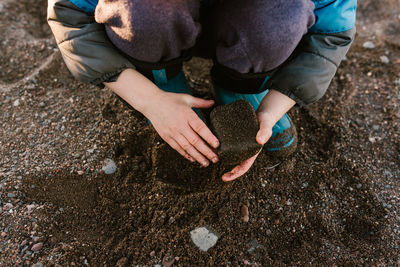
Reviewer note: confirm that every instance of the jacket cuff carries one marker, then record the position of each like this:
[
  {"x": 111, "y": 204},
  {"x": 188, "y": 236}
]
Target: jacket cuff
[{"x": 109, "y": 76}]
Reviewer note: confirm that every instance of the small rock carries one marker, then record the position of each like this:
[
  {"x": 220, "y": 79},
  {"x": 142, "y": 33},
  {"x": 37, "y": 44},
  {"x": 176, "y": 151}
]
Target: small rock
[
  {"x": 385, "y": 59},
  {"x": 39, "y": 264},
  {"x": 10, "y": 195},
  {"x": 3, "y": 234},
  {"x": 16, "y": 103},
  {"x": 80, "y": 172},
  {"x": 35, "y": 239},
  {"x": 8, "y": 206},
  {"x": 168, "y": 261},
  {"x": 110, "y": 167},
  {"x": 203, "y": 238},
  {"x": 30, "y": 207},
  {"x": 359, "y": 186},
  {"x": 122, "y": 262},
  {"x": 152, "y": 254},
  {"x": 37, "y": 247},
  {"x": 244, "y": 210},
  {"x": 304, "y": 185},
  {"x": 375, "y": 127},
  {"x": 369, "y": 45}
]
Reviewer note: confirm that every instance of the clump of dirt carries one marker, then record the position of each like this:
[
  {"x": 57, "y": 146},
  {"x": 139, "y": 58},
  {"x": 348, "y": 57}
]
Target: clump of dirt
[
  {"x": 236, "y": 126},
  {"x": 172, "y": 168}
]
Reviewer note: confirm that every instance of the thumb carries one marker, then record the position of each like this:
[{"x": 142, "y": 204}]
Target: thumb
[
  {"x": 264, "y": 133},
  {"x": 196, "y": 102}
]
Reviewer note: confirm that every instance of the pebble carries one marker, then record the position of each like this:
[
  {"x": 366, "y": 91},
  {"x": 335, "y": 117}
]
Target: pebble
[
  {"x": 80, "y": 172},
  {"x": 39, "y": 264},
  {"x": 8, "y": 206},
  {"x": 385, "y": 59},
  {"x": 3, "y": 234},
  {"x": 168, "y": 261},
  {"x": 305, "y": 185},
  {"x": 16, "y": 103},
  {"x": 369, "y": 45},
  {"x": 359, "y": 186},
  {"x": 203, "y": 238},
  {"x": 244, "y": 210},
  {"x": 152, "y": 254},
  {"x": 122, "y": 262},
  {"x": 375, "y": 127},
  {"x": 110, "y": 167},
  {"x": 30, "y": 207},
  {"x": 10, "y": 195},
  {"x": 37, "y": 247}
]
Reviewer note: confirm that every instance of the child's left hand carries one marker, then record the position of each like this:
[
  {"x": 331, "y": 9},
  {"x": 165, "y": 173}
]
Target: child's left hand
[{"x": 272, "y": 108}]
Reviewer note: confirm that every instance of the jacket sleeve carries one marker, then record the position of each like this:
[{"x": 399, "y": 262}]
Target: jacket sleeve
[
  {"x": 84, "y": 45},
  {"x": 306, "y": 75}
]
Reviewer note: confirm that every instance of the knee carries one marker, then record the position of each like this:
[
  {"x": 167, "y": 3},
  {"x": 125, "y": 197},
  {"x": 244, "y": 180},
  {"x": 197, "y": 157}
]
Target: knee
[
  {"x": 280, "y": 30},
  {"x": 151, "y": 30},
  {"x": 270, "y": 30}
]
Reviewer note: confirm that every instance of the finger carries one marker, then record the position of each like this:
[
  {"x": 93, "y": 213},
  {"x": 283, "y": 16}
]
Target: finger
[
  {"x": 179, "y": 149},
  {"x": 200, "y": 145},
  {"x": 264, "y": 133},
  {"x": 239, "y": 170},
  {"x": 196, "y": 102},
  {"x": 201, "y": 128},
  {"x": 191, "y": 150}
]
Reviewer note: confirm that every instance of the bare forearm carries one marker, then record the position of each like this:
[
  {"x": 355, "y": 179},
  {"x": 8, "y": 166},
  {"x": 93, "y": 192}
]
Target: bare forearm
[
  {"x": 275, "y": 104},
  {"x": 135, "y": 89}
]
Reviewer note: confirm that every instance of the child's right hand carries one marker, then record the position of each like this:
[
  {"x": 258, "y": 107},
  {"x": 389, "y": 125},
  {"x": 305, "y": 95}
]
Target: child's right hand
[
  {"x": 175, "y": 121},
  {"x": 171, "y": 115}
]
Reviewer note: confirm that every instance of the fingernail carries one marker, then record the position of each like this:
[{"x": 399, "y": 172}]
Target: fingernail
[
  {"x": 214, "y": 159},
  {"x": 191, "y": 159},
  {"x": 216, "y": 144},
  {"x": 205, "y": 163}
]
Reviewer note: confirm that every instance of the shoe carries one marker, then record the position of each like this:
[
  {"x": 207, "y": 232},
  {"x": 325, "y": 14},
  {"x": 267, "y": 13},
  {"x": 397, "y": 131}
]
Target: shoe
[{"x": 283, "y": 141}]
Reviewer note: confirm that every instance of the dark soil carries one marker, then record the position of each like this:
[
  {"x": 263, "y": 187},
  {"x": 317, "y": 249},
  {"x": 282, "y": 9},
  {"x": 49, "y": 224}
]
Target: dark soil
[
  {"x": 335, "y": 201},
  {"x": 236, "y": 126}
]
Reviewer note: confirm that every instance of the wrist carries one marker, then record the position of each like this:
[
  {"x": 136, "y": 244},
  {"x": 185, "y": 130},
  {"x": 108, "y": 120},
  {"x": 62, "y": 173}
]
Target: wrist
[
  {"x": 274, "y": 106},
  {"x": 136, "y": 90}
]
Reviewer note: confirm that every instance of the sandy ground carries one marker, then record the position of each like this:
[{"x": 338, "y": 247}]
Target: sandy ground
[{"x": 336, "y": 201}]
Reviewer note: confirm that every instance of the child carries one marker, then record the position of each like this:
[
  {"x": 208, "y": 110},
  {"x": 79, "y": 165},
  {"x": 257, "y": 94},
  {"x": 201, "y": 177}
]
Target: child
[{"x": 136, "y": 48}]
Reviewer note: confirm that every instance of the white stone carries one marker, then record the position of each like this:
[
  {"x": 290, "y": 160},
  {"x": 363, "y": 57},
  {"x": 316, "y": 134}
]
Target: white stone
[
  {"x": 203, "y": 238},
  {"x": 16, "y": 103},
  {"x": 369, "y": 45},
  {"x": 110, "y": 167},
  {"x": 385, "y": 59}
]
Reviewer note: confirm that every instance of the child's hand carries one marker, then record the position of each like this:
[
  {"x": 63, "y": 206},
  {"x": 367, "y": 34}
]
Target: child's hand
[
  {"x": 272, "y": 108},
  {"x": 173, "y": 118},
  {"x": 264, "y": 133},
  {"x": 171, "y": 115}
]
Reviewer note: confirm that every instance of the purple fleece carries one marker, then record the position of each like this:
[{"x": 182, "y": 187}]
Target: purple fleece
[{"x": 244, "y": 35}]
